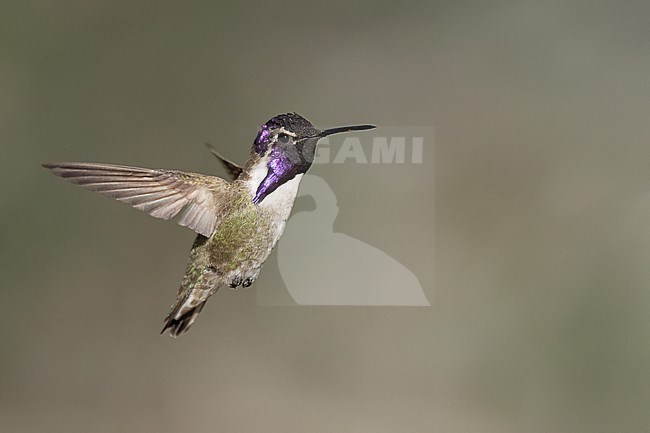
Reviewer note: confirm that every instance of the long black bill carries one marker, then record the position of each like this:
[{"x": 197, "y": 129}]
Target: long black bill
[{"x": 331, "y": 131}]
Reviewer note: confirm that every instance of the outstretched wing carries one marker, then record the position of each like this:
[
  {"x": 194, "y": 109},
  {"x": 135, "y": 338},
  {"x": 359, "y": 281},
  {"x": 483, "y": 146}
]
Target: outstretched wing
[
  {"x": 233, "y": 169},
  {"x": 161, "y": 193}
]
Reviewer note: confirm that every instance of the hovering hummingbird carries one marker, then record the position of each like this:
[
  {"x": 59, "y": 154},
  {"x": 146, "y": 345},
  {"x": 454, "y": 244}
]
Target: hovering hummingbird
[{"x": 238, "y": 222}]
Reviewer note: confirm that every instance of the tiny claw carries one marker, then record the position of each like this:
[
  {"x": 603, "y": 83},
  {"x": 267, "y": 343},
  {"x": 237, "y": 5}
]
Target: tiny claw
[{"x": 235, "y": 282}]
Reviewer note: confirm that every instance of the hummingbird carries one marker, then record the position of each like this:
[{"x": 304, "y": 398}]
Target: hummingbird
[{"x": 237, "y": 221}]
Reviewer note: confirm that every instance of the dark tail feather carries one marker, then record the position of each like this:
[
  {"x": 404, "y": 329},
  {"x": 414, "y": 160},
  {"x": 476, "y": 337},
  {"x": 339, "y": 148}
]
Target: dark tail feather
[{"x": 180, "y": 325}]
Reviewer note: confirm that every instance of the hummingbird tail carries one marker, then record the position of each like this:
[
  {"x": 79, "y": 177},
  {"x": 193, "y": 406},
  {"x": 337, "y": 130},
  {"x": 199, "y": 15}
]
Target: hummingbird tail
[
  {"x": 178, "y": 325},
  {"x": 189, "y": 304}
]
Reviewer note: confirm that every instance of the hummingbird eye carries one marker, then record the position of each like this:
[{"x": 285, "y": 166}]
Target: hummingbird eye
[{"x": 284, "y": 138}]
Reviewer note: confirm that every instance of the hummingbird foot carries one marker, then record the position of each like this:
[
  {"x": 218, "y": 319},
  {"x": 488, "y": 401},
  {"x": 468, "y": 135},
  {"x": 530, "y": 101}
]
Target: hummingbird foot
[
  {"x": 236, "y": 282},
  {"x": 240, "y": 281}
]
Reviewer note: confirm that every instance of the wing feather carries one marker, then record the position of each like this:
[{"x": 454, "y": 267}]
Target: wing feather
[
  {"x": 233, "y": 169},
  {"x": 161, "y": 193}
]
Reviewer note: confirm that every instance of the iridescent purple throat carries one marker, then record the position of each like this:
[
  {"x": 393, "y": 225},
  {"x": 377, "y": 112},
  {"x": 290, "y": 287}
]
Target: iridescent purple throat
[{"x": 283, "y": 166}]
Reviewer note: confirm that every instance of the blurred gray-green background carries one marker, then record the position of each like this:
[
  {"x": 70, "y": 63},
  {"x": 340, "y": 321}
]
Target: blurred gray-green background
[{"x": 540, "y": 315}]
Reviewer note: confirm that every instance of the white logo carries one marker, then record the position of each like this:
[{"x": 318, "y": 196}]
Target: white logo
[{"x": 321, "y": 267}]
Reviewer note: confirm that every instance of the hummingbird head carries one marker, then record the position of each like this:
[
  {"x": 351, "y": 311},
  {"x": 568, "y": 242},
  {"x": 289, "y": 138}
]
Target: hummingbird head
[{"x": 288, "y": 142}]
